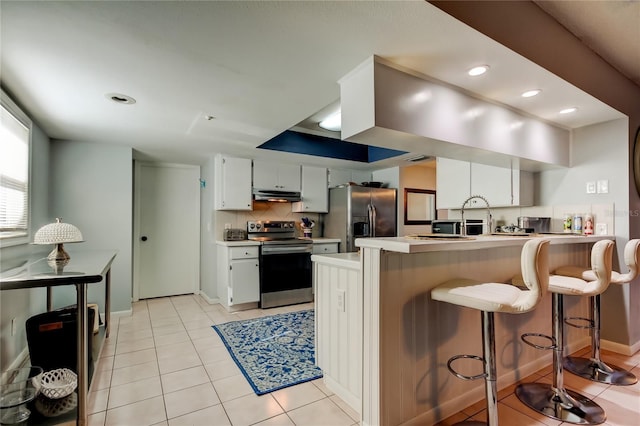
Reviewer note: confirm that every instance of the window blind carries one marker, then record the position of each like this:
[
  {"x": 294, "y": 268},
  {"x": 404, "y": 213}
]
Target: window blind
[{"x": 14, "y": 175}]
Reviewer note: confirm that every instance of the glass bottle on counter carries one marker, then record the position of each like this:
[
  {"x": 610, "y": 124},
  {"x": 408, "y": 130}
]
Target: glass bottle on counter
[
  {"x": 577, "y": 224},
  {"x": 588, "y": 224},
  {"x": 567, "y": 223}
]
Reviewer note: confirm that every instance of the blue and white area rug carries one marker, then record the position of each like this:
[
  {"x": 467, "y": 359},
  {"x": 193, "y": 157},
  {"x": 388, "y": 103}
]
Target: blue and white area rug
[{"x": 273, "y": 352}]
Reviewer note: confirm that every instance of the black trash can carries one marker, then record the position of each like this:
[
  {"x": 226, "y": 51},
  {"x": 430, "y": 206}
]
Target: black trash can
[{"x": 51, "y": 337}]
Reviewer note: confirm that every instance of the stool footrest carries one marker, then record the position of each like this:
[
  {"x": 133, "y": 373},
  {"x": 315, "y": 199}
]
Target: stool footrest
[
  {"x": 462, "y": 376},
  {"x": 589, "y": 322},
  {"x": 525, "y": 337}
]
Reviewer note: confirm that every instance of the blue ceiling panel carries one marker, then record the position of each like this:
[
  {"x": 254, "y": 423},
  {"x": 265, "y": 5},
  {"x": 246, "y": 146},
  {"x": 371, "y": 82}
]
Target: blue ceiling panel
[{"x": 320, "y": 146}]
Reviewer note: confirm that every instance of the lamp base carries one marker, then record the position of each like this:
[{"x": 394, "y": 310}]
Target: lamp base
[{"x": 58, "y": 254}]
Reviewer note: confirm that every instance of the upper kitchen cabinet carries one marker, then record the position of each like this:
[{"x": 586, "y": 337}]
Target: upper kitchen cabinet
[
  {"x": 232, "y": 183},
  {"x": 275, "y": 176},
  {"x": 503, "y": 187},
  {"x": 314, "y": 191}
]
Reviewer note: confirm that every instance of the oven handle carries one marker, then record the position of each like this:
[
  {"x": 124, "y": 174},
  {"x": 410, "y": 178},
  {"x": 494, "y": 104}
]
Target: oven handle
[{"x": 267, "y": 250}]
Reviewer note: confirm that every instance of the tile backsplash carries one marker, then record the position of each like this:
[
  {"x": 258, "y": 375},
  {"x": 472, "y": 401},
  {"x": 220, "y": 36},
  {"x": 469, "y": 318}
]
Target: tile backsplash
[{"x": 263, "y": 211}]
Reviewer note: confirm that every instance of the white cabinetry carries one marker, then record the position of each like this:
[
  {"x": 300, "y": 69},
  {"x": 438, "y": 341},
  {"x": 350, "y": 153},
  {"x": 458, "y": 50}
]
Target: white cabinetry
[
  {"x": 338, "y": 307},
  {"x": 238, "y": 275},
  {"x": 275, "y": 176},
  {"x": 453, "y": 183},
  {"x": 232, "y": 183},
  {"x": 325, "y": 248},
  {"x": 503, "y": 187},
  {"x": 315, "y": 197}
]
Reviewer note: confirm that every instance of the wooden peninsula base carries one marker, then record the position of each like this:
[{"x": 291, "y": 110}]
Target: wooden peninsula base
[{"x": 407, "y": 338}]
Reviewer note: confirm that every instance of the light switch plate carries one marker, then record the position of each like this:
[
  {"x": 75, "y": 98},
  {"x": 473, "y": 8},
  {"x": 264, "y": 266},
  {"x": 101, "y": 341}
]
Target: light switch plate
[
  {"x": 601, "y": 229},
  {"x": 591, "y": 187},
  {"x": 603, "y": 186}
]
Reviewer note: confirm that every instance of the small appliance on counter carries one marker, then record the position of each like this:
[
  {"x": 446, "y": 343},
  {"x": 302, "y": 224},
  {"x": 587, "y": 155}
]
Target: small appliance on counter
[
  {"x": 537, "y": 224},
  {"x": 234, "y": 234},
  {"x": 453, "y": 226}
]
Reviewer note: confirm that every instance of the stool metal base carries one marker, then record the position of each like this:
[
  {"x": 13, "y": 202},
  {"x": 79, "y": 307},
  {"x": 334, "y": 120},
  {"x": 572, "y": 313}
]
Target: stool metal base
[
  {"x": 598, "y": 371},
  {"x": 563, "y": 405}
]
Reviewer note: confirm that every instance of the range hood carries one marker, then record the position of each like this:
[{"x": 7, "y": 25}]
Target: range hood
[{"x": 276, "y": 196}]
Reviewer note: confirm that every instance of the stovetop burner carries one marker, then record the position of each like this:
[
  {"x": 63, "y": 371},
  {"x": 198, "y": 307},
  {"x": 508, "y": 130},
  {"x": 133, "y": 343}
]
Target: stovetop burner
[{"x": 272, "y": 232}]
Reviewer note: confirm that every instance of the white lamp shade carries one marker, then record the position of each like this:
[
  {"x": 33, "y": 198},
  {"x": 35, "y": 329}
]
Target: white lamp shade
[{"x": 57, "y": 233}]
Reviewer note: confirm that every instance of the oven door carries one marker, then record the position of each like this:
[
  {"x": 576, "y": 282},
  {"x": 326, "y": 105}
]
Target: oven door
[{"x": 285, "y": 275}]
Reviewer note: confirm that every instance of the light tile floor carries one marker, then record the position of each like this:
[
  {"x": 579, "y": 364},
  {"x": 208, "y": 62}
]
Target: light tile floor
[{"x": 165, "y": 365}]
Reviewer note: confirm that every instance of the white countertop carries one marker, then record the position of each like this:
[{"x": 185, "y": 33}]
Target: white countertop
[
  {"x": 475, "y": 242},
  {"x": 320, "y": 240},
  {"x": 348, "y": 260},
  {"x": 316, "y": 240},
  {"x": 238, "y": 243}
]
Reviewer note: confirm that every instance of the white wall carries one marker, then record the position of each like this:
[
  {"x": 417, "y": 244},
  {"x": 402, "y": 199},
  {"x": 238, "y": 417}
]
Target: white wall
[
  {"x": 599, "y": 152},
  {"x": 92, "y": 188},
  {"x": 22, "y": 304}
]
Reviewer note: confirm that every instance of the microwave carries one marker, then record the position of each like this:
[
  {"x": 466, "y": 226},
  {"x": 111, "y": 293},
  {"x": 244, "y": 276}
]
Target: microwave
[{"x": 473, "y": 226}]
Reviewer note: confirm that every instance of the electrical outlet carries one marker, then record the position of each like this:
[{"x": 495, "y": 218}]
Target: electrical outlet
[
  {"x": 601, "y": 229},
  {"x": 341, "y": 296},
  {"x": 603, "y": 186},
  {"x": 591, "y": 187}
]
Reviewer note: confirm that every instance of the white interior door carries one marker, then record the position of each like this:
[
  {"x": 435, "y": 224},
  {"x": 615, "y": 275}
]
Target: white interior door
[{"x": 167, "y": 234}]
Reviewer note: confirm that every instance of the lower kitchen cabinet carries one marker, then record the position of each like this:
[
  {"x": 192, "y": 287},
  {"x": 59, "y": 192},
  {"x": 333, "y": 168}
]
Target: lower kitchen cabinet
[
  {"x": 238, "y": 274},
  {"x": 325, "y": 248}
]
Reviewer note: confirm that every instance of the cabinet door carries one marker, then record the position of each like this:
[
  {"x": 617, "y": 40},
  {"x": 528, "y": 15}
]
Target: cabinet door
[
  {"x": 289, "y": 177},
  {"x": 279, "y": 177},
  {"x": 493, "y": 183},
  {"x": 233, "y": 188},
  {"x": 265, "y": 175},
  {"x": 315, "y": 195},
  {"x": 244, "y": 284},
  {"x": 453, "y": 186}
]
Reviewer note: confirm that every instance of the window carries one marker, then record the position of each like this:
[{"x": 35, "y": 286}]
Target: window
[{"x": 15, "y": 131}]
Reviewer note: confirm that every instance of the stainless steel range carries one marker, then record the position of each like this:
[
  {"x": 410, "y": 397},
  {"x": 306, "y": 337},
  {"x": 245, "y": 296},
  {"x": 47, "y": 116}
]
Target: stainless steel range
[{"x": 285, "y": 263}]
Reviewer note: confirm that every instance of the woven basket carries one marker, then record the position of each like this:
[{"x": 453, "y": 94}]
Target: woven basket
[{"x": 58, "y": 383}]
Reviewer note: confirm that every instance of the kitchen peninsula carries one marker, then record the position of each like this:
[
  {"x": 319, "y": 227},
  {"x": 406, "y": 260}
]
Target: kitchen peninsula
[{"x": 407, "y": 338}]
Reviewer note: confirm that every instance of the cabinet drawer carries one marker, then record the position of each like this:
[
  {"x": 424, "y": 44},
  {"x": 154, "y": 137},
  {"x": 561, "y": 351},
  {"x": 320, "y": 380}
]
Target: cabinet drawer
[
  {"x": 243, "y": 252},
  {"x": 325, "y": 248}
]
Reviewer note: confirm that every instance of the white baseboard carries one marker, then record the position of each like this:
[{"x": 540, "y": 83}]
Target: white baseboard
[
  {"x": 209, "y": 300},
  {"x": 619, "y": 348}
]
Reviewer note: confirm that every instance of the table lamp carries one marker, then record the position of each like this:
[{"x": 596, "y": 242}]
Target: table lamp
[{"x": 58, "y": 233}]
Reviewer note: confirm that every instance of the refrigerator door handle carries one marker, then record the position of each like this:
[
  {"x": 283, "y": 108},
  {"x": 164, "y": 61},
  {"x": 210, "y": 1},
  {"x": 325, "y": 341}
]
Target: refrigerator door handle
[{"x": 372, "y": 220}]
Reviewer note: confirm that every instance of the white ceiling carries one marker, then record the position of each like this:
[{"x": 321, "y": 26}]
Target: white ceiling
[{"x": 258, "y": 67}]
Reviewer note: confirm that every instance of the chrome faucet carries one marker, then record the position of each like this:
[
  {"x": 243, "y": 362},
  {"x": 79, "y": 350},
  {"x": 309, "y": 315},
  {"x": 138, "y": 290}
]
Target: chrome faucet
[{"x": 463, "y": 230}]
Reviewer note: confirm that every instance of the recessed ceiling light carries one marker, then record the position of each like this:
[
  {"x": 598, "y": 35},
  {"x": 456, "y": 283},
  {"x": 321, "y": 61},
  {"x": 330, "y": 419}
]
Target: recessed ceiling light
[
  {"x": 530, "y": 93},
  {"x": 120, "y": 98},
  {"x": 568, "y": 110},
  {"x": 332, "y": 122},
  {"x": 475, "y": 71}
]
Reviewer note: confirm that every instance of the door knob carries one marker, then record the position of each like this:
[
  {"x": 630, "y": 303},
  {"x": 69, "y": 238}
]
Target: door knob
[{"x": 144, "y": 238}]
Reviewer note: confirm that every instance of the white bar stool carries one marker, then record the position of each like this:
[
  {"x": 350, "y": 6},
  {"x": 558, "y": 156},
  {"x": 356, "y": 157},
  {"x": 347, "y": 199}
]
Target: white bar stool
[
  {"x": 497, "y": 297},
  {"x": 554, "y": 400},
  {"x": 594, "y": 368}
]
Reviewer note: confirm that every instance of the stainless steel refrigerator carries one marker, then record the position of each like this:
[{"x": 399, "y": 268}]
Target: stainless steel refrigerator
[{"x": 360, "y": 212}]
